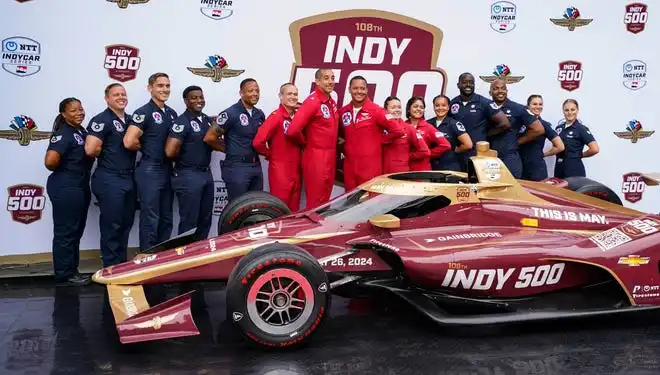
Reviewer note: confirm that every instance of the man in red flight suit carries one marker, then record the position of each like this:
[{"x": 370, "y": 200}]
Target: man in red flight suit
[
  {"x": 284, "y": 172},
  {"x": 362, "y": 125},
  {"x": 315, "y": 126}
]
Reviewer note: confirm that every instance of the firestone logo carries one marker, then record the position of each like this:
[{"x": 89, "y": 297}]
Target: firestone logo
[{"x": 396, "y": 54}]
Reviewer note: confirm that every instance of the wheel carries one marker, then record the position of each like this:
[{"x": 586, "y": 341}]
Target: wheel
[
  {"x": 251, "y": 208},
  {"x": 278, "y": 295},
  {"x": 592, "y": 188}
]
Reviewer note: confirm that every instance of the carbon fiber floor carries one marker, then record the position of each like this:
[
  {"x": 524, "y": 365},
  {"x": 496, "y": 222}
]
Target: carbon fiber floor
[{"x": 67, "y": 331}]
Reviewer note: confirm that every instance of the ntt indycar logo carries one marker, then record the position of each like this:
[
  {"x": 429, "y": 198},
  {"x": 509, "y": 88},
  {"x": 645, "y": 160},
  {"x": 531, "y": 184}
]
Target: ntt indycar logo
[{"x": 464, "y": 236}]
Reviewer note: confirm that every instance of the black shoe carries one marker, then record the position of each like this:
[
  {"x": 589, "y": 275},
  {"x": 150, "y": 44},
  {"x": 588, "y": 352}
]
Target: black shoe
[{"x": 77, "y": 280}]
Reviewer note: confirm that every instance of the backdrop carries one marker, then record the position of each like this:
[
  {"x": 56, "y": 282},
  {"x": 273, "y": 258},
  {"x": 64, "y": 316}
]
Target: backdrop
[{"x": 596, "y": 53}]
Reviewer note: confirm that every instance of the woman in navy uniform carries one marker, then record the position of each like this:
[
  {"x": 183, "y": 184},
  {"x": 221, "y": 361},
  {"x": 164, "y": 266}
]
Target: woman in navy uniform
[
  {"x": 575, "y": 136},
  {"x": 455, "y": 133},
  {"x": 531, "y": 152},
  {"x": 68, "y": 190}
]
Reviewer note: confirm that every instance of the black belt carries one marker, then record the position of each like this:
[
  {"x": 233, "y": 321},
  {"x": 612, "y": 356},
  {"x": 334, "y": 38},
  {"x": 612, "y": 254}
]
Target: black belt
[
  {"x": 245, "y": 159},
  {"x": 116, "y": 171},
  {"x": 192, "y": 167}
]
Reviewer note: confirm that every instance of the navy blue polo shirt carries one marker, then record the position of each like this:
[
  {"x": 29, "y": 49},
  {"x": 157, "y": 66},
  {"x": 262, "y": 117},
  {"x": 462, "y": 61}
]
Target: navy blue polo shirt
[
  {"x": 519, "y": 117},
  {"x": 155, "y": 124},
  {"x": 240, "y": 127},
  {"x": 451, "y": 130},
  {"x": 474, "y": 115},
  {"x": 190, "y": 130},
  {"x": 111, "y": 129},
  {"x": 575, "y": 137},
  {"x": 533, "y": 151},
  {"x": 69, "y": 142}
]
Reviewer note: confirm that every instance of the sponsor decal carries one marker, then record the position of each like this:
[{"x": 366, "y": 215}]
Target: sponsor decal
[
  {"x": 633, "y": 187},
  {"x": 464, "y": 236},
  {"x": 217, "y": 9},
  {"x": 492, "y": 169},
  {"x": 463, "y": 194},
  {"x": 261, "y": 231},
  {"x": 236, "y": 316},
  {"x": 216, "y": 68},
  {"x": 503, "y": 16},
  {"x": 562, "y": 215},
  {"x": 634, "y": 260},
  {"x": 123, "y": 4},
  {"x": 456, "y": 266},
  {"x": 384, "y": 245},
  {"x": 634, "y": 132},
  {"x": 323, "y": 288},
  {"x": 635, "y": 17},
  {"x": 640, "y": 227},
  {"x": 180, "y": 250},
  {"x": 498, "y": 278},
  {"x": 634, "y": 74},
  {"x": 396, "y": 54},
  {"x": 220, "y": 197},
  {"x": 157, "y": 322},
  {"x": 129, "y": 303},
  {"x": 24, "y": 130},
  {"x": 646, "y": 291},
  {"x": 26, "y": 202},
  {"x": 21, "y": 56},
  {"x": 502, "y": 72},
  {"x": 610, "y": 239},
  {"x": 212, "y": 245},
  {"x": 571, "y": 19},
  {"x": 570, "y": 75},
  {"x": 145, "y": 259},
  {"x": 122, "y": 62}
]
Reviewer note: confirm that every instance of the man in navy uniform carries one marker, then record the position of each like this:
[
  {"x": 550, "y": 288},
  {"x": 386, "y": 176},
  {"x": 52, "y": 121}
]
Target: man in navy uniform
[
  {"x": 522, "y": 122},
  {"x": 112, "y": 182},
  {"x": 192, "y": 179},
  {"x": 238, "y": 124},
  {"x": 474, "y": 111},
  {"x": 147, "y": 131}
]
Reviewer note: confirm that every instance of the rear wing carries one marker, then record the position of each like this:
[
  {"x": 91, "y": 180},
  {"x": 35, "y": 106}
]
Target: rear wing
[{"x": 651, "y": 179}]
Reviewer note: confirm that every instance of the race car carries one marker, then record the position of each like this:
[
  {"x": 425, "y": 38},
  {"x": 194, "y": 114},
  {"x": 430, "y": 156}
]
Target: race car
[{"x": 464, "y": 249}]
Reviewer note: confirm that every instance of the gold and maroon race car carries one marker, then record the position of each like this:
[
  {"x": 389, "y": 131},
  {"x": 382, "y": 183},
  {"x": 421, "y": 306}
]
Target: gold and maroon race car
[{"x": 464, "y": 249}]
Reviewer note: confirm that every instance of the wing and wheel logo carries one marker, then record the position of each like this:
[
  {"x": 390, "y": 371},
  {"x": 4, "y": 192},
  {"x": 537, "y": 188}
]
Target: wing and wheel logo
[{"x": 216, "y": 68}]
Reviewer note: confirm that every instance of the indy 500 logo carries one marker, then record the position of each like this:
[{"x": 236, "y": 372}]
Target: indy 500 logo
[{"x": 396, "y": 54}]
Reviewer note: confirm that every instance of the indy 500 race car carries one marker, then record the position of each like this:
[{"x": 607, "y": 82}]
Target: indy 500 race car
[{"x": 464, "y": 249}]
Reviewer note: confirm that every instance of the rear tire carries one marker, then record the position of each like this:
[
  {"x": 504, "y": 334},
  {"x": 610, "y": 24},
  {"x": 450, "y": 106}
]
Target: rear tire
[
  {"x": 278, "y": 295},
  {"x": 592, "y": 188},
  {"x": 251, "y": 208}
]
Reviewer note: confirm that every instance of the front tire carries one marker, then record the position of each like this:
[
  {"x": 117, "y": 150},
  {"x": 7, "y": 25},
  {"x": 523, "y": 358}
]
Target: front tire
[{"x": 278, "y": 295}]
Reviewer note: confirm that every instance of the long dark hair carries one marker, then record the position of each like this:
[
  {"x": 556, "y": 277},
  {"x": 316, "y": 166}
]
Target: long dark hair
[
  {"x": 412, "y": 101},
  {"x": 59, "y": 120}
]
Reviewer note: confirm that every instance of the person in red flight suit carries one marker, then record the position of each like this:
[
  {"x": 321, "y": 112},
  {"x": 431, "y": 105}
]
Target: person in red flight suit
[
  {"x": 315, "y": 126},
  {"x": 284, "y": 156},
  {"x": 362, "y": 125},
  {"x": 407, "y": 148},
  {"x": 436, "y": 142}
]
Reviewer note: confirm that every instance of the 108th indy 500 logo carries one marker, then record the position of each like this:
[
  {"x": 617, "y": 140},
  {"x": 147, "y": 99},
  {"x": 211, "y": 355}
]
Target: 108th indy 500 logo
[{"x": 25, "y": 202}]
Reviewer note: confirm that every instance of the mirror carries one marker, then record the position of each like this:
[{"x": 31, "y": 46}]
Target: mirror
[{"x": 385, "y": 221}]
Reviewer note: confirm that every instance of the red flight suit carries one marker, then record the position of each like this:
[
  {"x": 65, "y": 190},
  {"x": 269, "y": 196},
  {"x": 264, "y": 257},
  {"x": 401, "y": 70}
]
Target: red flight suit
[
  {"x": 315, "y": 126},
  {"x": 363, "y": 133},
  {"x": 399, "y": 153},
  {"x": 284, "y": 171},
  {"x": 436, "y": 142}
]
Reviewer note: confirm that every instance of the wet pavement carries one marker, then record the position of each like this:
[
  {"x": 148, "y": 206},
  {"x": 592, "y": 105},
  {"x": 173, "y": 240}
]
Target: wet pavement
[{"x": 47, "y": 330}]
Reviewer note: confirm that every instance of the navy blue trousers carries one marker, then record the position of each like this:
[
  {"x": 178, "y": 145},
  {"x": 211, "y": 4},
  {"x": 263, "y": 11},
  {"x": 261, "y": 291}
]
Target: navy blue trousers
[
  {"x": 156, "y": 198},
  {"x": 70, "y": 196},
  {"x": 115, "y": 192},
  {"x": 241, "y": 177},
  {"x": 194, "y": 191},
  {"x": 571, "y": 167}
]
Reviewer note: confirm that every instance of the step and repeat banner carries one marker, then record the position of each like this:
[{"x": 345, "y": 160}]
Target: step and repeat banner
[{"x": 602, "y": 54}]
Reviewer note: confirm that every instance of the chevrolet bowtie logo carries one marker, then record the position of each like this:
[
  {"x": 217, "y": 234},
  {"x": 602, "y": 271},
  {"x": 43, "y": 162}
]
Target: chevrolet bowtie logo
[{"x": 634, "y": 260}]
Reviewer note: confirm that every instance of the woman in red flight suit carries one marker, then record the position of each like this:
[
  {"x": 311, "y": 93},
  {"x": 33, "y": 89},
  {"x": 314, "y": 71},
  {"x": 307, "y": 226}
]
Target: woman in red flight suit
[
  {"x": 398, "y": 154},
  {"x": 435, "y": 141}
]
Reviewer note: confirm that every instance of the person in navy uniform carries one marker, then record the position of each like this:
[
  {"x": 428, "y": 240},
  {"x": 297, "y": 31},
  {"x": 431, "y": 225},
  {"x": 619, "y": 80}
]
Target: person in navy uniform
[
  {"x": 575, "y": 136},
  {"x": 147, "y": 132},
  {"x": 112, "y": 181},
  {"x": 68, "y": 190},
  {"x": 521, "y": 120},
  {"x": 238, "y": 124},
  {"x": 474, "y": 111},
  {"x": 530, "y": 148},
  {"x": 454, "y": 131},
  {"x": 192, "y": 179}
]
